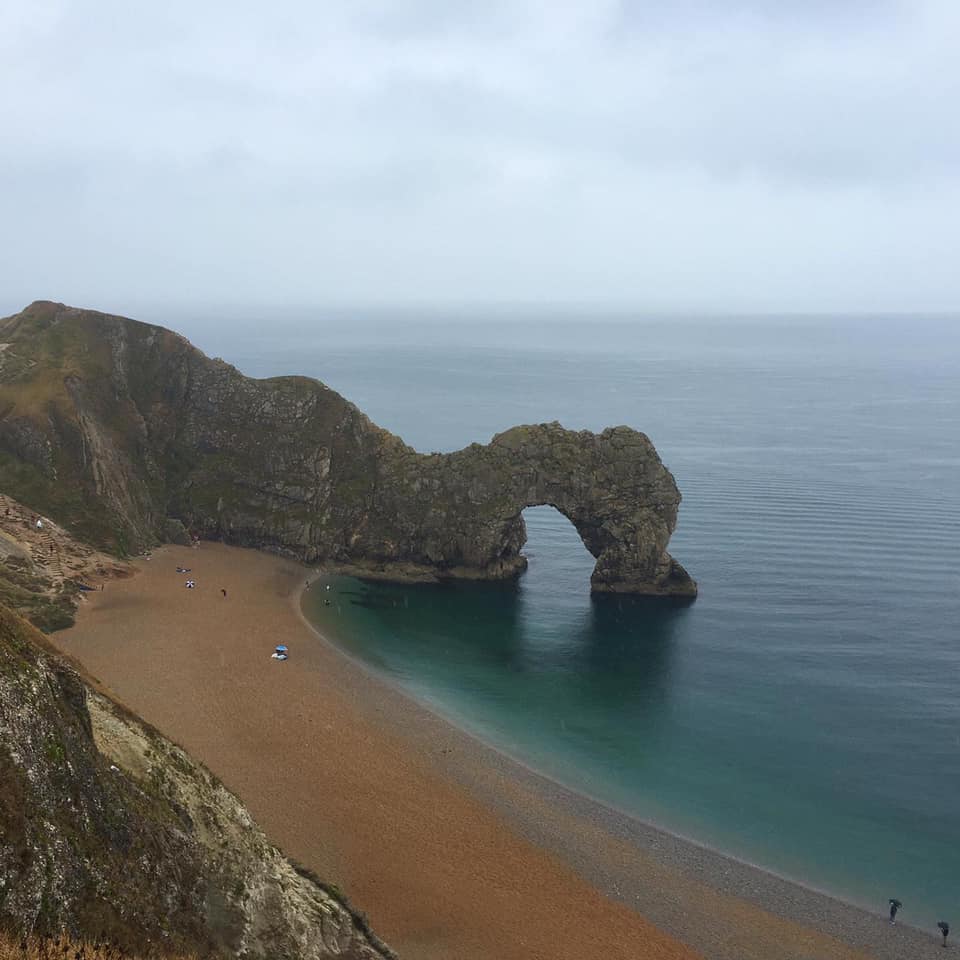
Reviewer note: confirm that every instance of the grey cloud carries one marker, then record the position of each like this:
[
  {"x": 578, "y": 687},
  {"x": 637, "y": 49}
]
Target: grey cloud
[{"x": 766, "y": 154}]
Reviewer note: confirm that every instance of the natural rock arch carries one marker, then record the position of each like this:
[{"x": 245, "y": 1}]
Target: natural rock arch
[
  {"x": 113, "y": 427},
  {"x": 611, "y": 486}
]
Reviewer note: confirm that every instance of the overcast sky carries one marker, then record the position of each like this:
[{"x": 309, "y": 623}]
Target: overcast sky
[{"x": 789, "y": 155}]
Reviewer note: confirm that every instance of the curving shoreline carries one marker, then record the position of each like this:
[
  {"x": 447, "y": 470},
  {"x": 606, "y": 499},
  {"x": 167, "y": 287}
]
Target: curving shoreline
[
  {"x": 523, "y": 792},
  {"x": 738, "y": 873},
  {"x": 453, "y": 848}
]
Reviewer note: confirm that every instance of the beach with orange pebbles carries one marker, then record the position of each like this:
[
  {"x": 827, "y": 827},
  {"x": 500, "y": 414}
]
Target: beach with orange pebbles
[{"x": 454, "y": 851}]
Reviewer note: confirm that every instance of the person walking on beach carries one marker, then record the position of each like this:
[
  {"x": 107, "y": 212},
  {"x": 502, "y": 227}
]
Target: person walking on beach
[
  {"x": 944, "y": 929},
  {"x": 224, "y": 592},
  {"x": 895, "y": 905}
]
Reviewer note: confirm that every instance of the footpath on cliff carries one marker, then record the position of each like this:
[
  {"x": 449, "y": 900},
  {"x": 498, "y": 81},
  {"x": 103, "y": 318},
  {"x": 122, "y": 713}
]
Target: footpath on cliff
[{"x": 45, "y": 572}]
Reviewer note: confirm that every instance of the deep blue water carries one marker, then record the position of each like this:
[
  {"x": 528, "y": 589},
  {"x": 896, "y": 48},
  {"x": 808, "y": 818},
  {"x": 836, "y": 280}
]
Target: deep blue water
[{"x": 804, "y": 712}]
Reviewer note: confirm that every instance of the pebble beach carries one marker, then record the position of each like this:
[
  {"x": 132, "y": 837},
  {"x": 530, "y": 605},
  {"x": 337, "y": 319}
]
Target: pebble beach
[{"x": 451, "y": 848}]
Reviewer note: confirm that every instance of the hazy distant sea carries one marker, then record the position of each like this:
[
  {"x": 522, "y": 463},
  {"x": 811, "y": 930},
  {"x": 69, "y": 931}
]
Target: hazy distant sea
[{"x": 804, "y": 713}]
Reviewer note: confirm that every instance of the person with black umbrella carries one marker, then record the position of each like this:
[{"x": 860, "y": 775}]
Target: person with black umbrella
[
  {"x": 895, "y": 905},
  {"x": 944, "y": 929}
]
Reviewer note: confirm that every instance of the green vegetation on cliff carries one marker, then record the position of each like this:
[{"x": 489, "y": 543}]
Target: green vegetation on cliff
[{"x": 31, "y": 596}]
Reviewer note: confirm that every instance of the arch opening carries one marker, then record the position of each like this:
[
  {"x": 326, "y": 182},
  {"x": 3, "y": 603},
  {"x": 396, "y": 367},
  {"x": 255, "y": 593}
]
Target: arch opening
[{"x": 553, "y": 549}]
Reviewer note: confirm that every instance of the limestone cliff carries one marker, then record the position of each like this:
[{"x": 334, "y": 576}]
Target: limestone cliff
[
  {"x": 110, "y": 832},
  {"x": 113, "y": 427}
]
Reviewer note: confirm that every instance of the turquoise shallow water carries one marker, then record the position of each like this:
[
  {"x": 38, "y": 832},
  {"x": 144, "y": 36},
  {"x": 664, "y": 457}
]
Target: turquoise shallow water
[{"x": 804, "y": 712}]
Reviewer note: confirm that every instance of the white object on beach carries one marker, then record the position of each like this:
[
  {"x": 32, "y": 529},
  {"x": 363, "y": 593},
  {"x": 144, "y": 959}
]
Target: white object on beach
[{"x": 190, "y": 584}]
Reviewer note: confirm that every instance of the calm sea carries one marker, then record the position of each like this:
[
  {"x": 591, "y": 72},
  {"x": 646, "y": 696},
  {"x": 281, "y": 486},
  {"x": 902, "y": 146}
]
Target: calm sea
[{"x": 804, "y": 713}]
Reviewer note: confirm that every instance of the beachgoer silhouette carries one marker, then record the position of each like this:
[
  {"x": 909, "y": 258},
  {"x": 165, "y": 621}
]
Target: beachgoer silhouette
[
  {"x": 224, "y": 592},
  {"x": 895, "y": 905},
  {"x": 944, "y": 929}
]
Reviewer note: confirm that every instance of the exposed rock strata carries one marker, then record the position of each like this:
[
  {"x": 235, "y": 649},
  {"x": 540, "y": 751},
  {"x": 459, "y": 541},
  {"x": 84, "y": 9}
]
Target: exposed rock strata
[
  {"x": 114, "y": 426},
  {"x": 108, "y": 830}
]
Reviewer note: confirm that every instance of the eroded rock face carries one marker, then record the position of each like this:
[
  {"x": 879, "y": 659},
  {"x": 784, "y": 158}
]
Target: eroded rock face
[
  {"x": 461, "y": 512},
  {"x": 114, "y": 427},
  {"x": 108, "y": 831}
]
